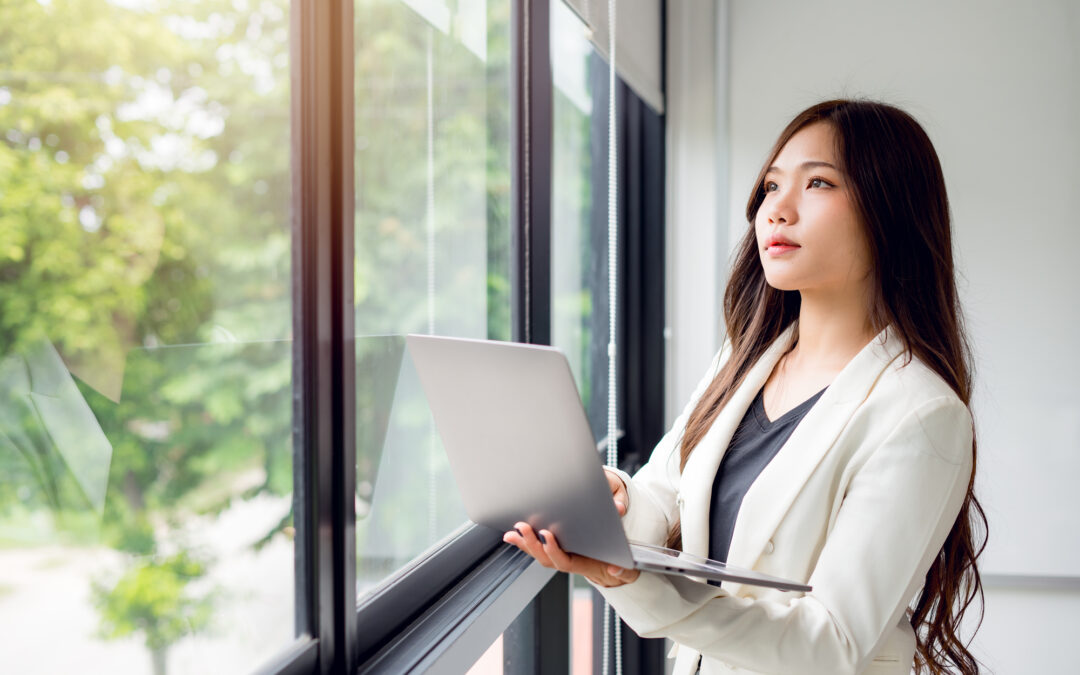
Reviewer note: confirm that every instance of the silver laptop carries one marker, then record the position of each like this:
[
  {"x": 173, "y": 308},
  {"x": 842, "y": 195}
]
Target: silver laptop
[{"x": 520, "y": 449}]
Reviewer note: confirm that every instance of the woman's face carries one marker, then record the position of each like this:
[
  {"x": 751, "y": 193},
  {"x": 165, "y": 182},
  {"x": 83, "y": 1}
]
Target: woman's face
[{"x": 809, "y": 236}]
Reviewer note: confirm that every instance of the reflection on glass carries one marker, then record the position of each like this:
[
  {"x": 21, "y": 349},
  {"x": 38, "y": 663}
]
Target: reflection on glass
[
  {"x": 145, "y": 373},
  {"x": 432, "y": 247},
  {"x": 579, "y": 321}
]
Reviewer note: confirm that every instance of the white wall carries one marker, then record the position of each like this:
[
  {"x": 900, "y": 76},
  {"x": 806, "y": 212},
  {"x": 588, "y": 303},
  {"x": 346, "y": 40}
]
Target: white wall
[
  {"x": 997, "y": 87},
  {"x": 694, "y": 244}
]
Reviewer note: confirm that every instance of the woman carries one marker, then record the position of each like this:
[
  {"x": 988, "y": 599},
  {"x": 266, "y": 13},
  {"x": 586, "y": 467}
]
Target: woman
[{"x": 834, "y": 423}]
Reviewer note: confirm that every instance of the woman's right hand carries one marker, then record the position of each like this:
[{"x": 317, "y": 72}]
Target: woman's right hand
[
  {"x": 618, "y": 491},
  {"x": 542, "y": 546}
]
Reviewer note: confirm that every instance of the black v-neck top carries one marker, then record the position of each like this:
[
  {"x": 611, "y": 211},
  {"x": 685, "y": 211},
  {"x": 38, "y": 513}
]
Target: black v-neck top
[{"x": 755, "y": 442}]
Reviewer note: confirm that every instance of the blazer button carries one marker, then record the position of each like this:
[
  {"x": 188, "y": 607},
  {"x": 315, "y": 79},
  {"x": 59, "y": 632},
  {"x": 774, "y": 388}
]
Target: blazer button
[
  {"x": 770, "y": 547},
  {"x": 679, "y": 501}
]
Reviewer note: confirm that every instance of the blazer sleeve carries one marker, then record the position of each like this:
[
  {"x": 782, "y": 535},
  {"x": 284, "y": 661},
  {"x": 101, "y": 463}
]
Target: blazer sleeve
[
  {"x": 652, "y": 493},
  {"x": 893, "y": 520}
]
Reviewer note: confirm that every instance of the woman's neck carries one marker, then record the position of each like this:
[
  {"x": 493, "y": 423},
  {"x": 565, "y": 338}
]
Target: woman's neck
[{"x": 832, "y": 329}]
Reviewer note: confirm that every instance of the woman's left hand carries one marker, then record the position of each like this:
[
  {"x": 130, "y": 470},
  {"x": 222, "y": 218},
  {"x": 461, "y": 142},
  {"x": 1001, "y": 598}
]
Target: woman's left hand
[{"x": 548, "y": 554}]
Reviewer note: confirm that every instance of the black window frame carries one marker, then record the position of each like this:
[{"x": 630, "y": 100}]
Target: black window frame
[{"x": 323, "y": 356}]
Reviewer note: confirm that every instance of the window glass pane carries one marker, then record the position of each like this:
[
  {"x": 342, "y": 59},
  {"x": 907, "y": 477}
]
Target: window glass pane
[
  {"x": 579, "y": 280},
  {"x": 432, "y": 247},
  {"x": 145, "y": 379}
]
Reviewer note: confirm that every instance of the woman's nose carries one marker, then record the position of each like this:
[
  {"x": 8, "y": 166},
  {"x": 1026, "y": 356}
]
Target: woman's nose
[{"x": 780, "y": 210}]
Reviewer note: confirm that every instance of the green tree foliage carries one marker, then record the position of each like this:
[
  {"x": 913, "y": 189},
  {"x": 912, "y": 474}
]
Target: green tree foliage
[
  {"x": 155, "y": 598},
  {"x": 144, "y": 186},
  {"x": 144, "y": 232}
]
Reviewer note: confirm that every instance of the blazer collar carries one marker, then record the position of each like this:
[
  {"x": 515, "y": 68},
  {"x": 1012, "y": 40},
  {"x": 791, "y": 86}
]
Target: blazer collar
[{"x": 770, "y": 496}]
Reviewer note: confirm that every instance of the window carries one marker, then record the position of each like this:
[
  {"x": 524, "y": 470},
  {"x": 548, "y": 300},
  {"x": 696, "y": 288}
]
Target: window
[
  {"x": 432, "y": 232},
  {"x": 145, "y": 382},
  {"x": 218, "y": 220}
]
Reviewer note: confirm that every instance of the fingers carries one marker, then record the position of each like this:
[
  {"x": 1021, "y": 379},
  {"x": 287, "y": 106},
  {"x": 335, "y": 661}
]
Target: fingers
[
  {"x": 562, "y": 560},
  {"x": 623, "y": 575},
  {"x": 544, "y": 547},
  {"x": 618, "y": 491},
  {"x": 609, "y": 576},
  {"x": 620, "y": 506},
  {"x": 526, "y": 540},
  {"x": 602, "y": 573}
]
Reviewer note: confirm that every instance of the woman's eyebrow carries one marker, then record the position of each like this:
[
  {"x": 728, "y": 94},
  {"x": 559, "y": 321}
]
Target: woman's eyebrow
[{"x": 805, "y": 165}]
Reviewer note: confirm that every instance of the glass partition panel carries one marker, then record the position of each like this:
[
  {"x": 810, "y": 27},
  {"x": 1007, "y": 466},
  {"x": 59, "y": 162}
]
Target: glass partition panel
[
  {"x": 432, "y": 247},
  {"x": 145, "y": 380},
  {"x": 579, "y": 278}
]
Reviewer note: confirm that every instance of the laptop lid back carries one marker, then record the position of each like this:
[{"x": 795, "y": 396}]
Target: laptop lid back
[{"x": 518, "y": 442}]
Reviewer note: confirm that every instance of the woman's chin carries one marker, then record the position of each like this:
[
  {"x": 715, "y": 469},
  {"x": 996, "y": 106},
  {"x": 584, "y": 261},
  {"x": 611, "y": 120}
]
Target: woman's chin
[{"x": 781, "y": 283}]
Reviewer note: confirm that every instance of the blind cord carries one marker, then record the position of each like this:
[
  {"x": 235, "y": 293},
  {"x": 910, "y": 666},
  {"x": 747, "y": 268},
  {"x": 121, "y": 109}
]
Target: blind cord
[
  {"x": 611, "y": 620},
  {"x": 433, "y": 484},
  {"x": 526, "y": 183}
]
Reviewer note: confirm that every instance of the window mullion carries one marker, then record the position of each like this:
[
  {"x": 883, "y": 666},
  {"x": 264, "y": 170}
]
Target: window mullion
[
  {"x": 531, "y": 119},
  {"x": 323, "y": 355},
  {"x": 539, "y": 639}
]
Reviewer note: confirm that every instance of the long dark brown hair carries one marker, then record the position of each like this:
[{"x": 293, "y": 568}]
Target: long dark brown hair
[{"x": 898, "y": 191}]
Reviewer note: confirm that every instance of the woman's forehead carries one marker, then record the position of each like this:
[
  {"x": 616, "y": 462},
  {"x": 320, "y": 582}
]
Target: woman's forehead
[{"x": 815, "y": 143}]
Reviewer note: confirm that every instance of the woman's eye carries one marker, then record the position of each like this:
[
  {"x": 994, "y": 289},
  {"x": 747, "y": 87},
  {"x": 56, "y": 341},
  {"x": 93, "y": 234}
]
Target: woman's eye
[
  {"x": 770, "y": 186},
  {"x": 819, "y": 183}
]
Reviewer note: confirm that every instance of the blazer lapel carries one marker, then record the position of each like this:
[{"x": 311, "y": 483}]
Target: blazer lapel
[
  {"x": 771, "y": 495},
  {"x": 700, "y": 470}
]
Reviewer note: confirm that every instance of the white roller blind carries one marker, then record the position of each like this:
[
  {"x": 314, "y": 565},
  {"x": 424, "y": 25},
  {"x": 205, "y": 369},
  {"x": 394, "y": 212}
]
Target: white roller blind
[{"x": 637, "y": 38}]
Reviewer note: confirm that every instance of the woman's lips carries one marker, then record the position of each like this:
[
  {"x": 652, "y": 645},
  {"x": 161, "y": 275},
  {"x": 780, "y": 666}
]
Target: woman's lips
[{"x": 780, "y": 249}]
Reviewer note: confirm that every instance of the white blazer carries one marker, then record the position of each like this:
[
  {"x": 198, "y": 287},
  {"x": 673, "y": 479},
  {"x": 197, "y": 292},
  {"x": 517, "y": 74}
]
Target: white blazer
[{"x": 857, "y": 504}]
